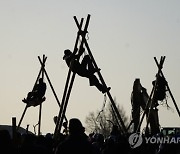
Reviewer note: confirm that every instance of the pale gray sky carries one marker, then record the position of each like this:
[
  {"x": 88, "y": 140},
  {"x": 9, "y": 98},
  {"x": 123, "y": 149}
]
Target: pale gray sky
[{"x": 124, "y": 36}]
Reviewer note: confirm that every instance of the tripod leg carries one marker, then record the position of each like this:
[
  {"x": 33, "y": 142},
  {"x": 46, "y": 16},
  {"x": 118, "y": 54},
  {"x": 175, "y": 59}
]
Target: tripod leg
[
  {"x": 22, "y": 117},
  {"x": 68, "y": 90},
  {"x": 39, "y": 128},
  {"x": 175, "y": 104},
  {"x": 57, "y": 128}
]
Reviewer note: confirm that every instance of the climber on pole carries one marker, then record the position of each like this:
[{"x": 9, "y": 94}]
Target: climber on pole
[
  {"x": 83, "y": 69},
  {"x": 36, "y": 96}
]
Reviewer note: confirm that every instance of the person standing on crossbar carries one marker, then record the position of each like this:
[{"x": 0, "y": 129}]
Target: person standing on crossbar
[{"x": 83, "y": 69}]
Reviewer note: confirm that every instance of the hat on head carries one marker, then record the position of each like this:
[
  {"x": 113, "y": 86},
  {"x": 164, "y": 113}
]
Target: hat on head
[{"x": 67, "y": 53}]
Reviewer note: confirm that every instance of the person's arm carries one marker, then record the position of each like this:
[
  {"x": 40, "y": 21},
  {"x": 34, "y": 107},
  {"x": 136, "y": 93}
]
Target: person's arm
[{"x": 81, "y": 51}]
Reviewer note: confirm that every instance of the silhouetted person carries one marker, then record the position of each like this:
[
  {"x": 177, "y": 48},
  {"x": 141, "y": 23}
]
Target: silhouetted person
[
  {"x": 98, "y": 142},
  {"x": 6, "y": 146},
  {"x": 36, "y": 97},
  {"x": 83, "y": 69},
  {"x": 33, "y": 144},
  {"x": 116, "y": 143},
  {"x": 77, "y": 141},
  {"x": 160, "y": 91},
  {"x": 136, "y": 100}
]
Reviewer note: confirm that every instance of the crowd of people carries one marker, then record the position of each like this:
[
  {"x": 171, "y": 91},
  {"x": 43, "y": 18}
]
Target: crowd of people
[{"x": 78, "y": 142}]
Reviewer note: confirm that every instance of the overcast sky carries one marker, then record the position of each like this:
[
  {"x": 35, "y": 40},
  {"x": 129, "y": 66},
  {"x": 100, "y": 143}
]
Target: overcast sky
[{"x": 124, "y": 37}]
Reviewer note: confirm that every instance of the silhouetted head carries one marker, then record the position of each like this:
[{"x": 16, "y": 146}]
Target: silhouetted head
[
  {"x": 98, "y": 138},
  {"x": 67, "y": 53},
  {"x": 75, "y": 126},
  {"x": 137, "y": 81}
]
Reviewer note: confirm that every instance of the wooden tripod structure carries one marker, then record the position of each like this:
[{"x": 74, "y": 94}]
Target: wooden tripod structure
[
  {"x": 42, "y": 73},
  {"x": 150, "y": 104},
  {"x": 70, "y": 79}
]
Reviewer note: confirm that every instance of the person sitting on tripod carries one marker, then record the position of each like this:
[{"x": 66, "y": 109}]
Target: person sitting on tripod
[
  {"x": 83, "y": 69},
  {"x": 36, "y": 97}
]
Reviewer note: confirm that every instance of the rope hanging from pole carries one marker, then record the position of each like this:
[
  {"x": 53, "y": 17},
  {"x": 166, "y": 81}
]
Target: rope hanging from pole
[{"x": 103, "y": 107}]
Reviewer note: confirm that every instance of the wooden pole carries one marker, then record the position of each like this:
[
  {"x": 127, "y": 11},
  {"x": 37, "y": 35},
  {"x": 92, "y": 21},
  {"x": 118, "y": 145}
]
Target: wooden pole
[
  {"x": 22, "y": 117},
  {"x": 14, "y": 133},
  {"x": 67, "y": 90},
  {"x": 160, "y": 66},
  {"x": 103, "y": 82},
  {"x": 73, "y": 76},
  {"x": 175, "y": 104},
  {"x": 32, "y": 90},
  {"x": 40, "y": 106}
]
